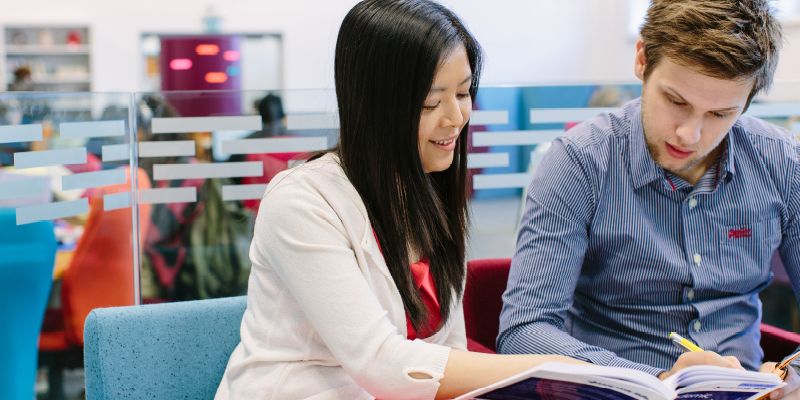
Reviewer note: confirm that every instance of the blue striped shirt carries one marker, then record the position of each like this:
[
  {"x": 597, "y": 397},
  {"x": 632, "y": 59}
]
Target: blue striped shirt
[{"x": 614, "y": 252}]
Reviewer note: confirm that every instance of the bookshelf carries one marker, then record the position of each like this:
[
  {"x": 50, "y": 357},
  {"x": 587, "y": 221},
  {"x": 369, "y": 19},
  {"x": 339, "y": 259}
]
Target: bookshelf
[{"x": 58, "y": 57}]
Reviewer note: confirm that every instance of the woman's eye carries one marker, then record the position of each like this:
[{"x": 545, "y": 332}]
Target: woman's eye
[{"x": 431, "y": 107}]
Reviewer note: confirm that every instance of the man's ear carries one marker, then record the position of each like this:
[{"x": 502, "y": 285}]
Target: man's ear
[{"x": 639, "y": 60}]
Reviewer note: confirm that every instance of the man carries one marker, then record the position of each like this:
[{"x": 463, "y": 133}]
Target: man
[{"x": 663, "y": 215}]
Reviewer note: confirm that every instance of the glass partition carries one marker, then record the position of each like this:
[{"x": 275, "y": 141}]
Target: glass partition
[
  {"x": 194, "y": 148},
  {"x": 64, "y": 161},
  {"x": 208, "y": 157},
  {"x": 152, "y": 196},
  {"x": 68, "y": 241}
]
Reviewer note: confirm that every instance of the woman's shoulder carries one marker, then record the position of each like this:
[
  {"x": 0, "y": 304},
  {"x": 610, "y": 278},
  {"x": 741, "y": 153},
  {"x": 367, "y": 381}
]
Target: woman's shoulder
[
  {"x": 321, "y": 178},
  {"x": 325, "y": 169},
  {"x": 313, "y": 192}
]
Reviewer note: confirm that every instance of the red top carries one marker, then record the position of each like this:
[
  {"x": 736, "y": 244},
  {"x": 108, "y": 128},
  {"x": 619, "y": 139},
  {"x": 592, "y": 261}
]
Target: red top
[
  {"x": 427, "y": 290},
  {"x": 423, "y": 280}
]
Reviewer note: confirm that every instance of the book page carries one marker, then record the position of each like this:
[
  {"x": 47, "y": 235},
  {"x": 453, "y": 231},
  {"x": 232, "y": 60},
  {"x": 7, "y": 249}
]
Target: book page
[
  {"x": 567, "y": 381},
  {"x": 716, "y": 383}
]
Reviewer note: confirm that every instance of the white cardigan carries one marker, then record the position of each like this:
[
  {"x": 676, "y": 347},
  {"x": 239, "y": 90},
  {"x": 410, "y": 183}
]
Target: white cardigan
[{"x": 324, "y": 319}]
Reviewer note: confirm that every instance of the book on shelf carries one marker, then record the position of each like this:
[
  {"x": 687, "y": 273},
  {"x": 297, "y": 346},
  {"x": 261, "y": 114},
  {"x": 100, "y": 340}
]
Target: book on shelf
[{"x": 555, "y": 380}]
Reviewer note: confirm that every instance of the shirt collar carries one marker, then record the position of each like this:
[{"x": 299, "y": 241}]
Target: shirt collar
[{"x": 726, "y": 161}]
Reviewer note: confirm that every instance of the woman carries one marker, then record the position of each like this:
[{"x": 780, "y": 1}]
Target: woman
[{"x": 358, "y": 255}]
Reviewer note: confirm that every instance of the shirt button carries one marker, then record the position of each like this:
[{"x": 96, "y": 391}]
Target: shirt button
[
  {"x": 692, "y": 203},
  {"x": 697, "y": 326},
  {"x": 697, "y": 259},
  {"x": 690, "y": 295}
]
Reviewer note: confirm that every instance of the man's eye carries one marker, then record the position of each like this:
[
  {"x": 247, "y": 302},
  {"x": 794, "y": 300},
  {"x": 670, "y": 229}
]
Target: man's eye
[{"x": 719, "y": 115}]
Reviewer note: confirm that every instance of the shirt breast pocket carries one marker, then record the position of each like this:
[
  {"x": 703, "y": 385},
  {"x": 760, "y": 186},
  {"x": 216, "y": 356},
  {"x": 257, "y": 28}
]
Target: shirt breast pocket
[{"x": 746, "y": 255}]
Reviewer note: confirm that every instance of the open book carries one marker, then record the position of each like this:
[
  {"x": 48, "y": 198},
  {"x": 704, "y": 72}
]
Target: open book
[{"x": 566, "y": 381}]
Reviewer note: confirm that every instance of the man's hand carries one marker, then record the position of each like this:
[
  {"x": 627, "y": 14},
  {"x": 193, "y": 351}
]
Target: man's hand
[
  {"x": 792, "y": 389},
  {"x": 701, "y": 358}
]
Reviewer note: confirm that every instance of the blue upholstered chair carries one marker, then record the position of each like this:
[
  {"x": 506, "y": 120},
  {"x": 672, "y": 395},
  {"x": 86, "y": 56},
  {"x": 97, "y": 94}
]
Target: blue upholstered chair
[
  {"x": 160, "y": 351},
  {"x": 27, "y": 256}
]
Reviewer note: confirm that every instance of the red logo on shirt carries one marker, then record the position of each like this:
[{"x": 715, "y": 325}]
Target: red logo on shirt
[{"x": 739, "y": 233}]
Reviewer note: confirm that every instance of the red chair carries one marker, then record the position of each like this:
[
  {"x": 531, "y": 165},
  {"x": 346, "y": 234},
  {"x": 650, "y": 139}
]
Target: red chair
[
  {"x": 483, "y": 299},
  {"x": 486, "y": 282},
  {"x": 99, "y": 275},
  {"x": 778, "y": 343}
]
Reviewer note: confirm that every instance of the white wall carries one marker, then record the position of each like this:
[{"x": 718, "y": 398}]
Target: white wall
[
  {"x": 308, "y": 26},
  {"x": 526, "y": 41}
]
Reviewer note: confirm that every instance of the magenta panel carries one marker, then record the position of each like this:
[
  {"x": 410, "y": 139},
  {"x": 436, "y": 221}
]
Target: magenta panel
[{"x": 207, "y": 63}]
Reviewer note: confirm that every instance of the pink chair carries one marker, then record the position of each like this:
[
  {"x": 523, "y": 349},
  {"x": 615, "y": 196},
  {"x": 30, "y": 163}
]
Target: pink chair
[{"x": 483, "y": 300}]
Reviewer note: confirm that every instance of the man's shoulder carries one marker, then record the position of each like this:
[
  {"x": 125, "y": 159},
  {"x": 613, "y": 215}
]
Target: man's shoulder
[
  {"x": 758, "y": 128},
  {"x": 598, "y": 130},
  {"x": 768, "y": 150},
  {"x": 772, "y": 143},
  {"x": 598, "y": 138}
]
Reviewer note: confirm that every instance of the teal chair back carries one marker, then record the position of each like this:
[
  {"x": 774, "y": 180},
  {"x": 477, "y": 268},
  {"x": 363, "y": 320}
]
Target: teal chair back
[
  {"x": 27, "y": 256},
  {"x": 160, "y": 351}
]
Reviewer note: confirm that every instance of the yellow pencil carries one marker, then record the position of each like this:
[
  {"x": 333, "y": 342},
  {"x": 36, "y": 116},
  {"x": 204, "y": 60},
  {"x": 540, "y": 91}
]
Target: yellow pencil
[{"x": 683, "y": 343}]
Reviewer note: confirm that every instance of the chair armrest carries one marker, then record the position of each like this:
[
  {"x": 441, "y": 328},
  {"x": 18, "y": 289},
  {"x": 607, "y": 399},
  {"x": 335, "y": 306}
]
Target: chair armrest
[
  {"x": 476, "y": 347},
  {"x": 778, "y": 343}
]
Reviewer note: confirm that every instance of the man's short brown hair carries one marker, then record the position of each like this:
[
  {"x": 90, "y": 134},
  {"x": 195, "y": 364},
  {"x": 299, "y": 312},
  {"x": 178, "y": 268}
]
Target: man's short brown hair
[{"x": 726, "y": 39}]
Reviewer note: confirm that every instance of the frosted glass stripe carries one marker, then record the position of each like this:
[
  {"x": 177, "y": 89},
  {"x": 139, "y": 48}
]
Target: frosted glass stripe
[
  {"x": 90, "y": 129},
  {"x": 20, "y": 133},
  {"x": 163, "y": 172},
  {"x": 488, "y": 117},
  {"x": 116, "y": 201},
  {"x": 312, "y": 121},
  {"x": 487, "y": 160},
  {"x": 175, "y": 148},
  {"x": 46, "y": 158},
  {"x": 501, "y": 181},
  {"x": 93, "y": 179},
  {"x": 116, "y": 152},
  {"x": 51, "y": 211},
  {"x": 24, "y": 187},
  {"x": 206, "y": 124},
  {"x": 168, "y": 195},
  {"x": 515, "y": 138},
  {"x": 243, "y": 192},
  {"x": 562, "y": 115},
  {"x": 774, "y": 110},
  {"x": 274, "y": 145}
]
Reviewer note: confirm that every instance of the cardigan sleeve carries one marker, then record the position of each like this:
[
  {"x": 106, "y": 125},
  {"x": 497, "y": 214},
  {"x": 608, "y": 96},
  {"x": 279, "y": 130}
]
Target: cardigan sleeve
[
  {"x": 457, "y": 338},
  {"x": 299, "y": 235}
]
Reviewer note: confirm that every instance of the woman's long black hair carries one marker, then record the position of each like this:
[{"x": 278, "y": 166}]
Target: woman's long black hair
[{"x": 387, "y": 54}]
